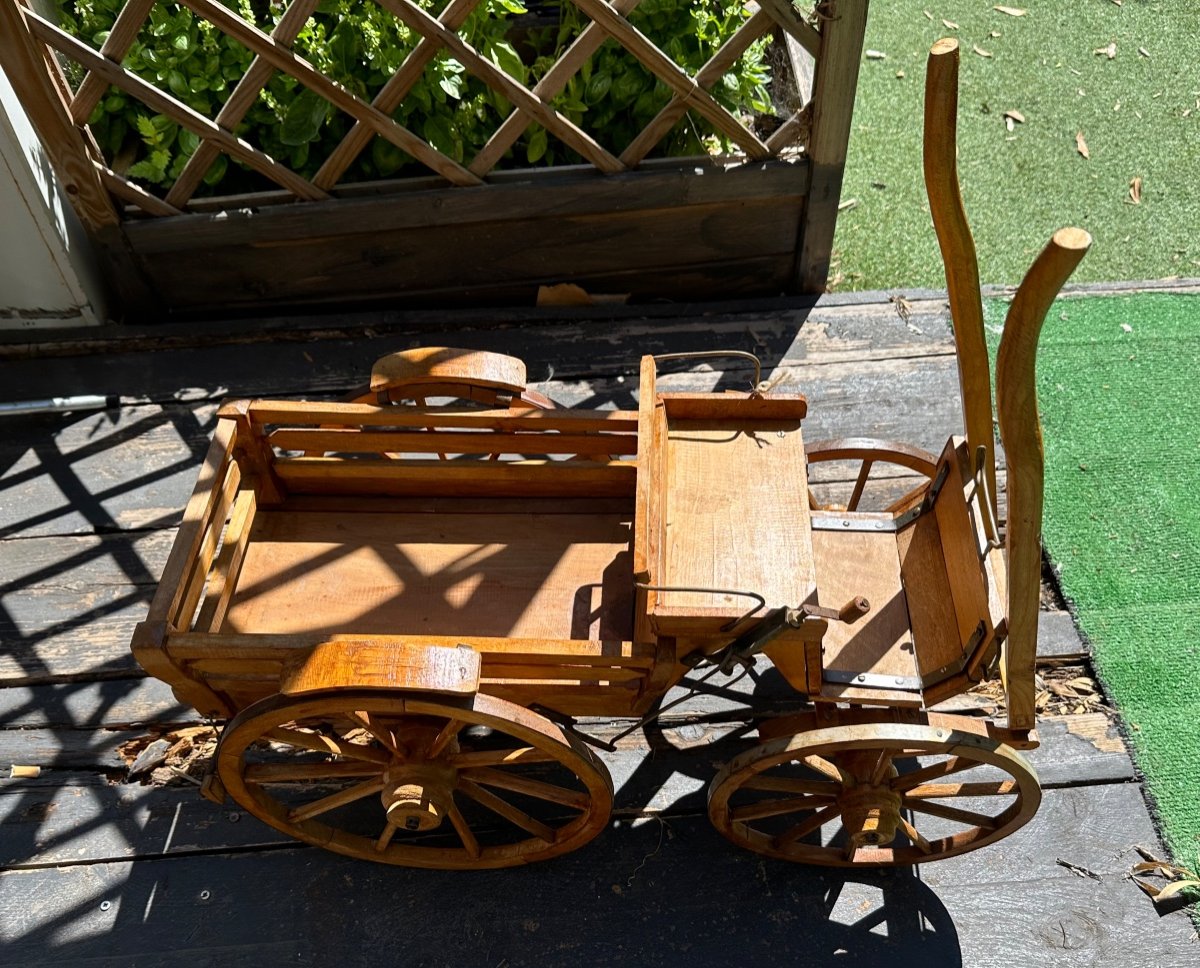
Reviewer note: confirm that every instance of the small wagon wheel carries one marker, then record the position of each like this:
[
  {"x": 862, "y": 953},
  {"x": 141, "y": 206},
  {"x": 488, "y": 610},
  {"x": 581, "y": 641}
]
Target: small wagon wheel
[
  {"x": 441, "y": 782},
  {"x": 873, "y": 795},
  {"x": 869, "y": 453}
]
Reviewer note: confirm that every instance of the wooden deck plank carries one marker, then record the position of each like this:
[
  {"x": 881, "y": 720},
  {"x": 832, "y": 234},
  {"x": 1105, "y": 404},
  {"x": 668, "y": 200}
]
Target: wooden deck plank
[{"x": 681, "y": 893}]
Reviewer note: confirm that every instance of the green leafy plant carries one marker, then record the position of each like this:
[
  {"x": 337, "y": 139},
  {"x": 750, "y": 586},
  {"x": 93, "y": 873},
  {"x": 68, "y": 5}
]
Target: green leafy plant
[{"x": 361, "y": 45}]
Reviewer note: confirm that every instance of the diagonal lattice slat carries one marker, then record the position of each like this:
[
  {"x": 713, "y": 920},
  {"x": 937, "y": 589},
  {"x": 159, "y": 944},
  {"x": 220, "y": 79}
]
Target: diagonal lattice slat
[
  {"x": 716, "y": 67},
  {"x": 667, "y": 71},
  {"x": 166, "y": 105},
  {"x": 552, "y": 83},
  {"x": 391, "y": 95},
  {"x": 553, "y": 121},
  {"x": 124, "y": 32},
  {"x": 127, "y": 191},
  {"x": 291, "y": 63},
  {"x": 240, "y": 101}
]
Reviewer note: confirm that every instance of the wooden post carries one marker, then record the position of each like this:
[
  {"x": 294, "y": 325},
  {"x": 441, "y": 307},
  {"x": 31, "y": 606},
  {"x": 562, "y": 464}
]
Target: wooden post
[
  {"x": 958, "y": 253},
  {"x": 1021, "y": 434},
  {"x": 843, "y": 25},
  {"x": 63, "y": 142}
]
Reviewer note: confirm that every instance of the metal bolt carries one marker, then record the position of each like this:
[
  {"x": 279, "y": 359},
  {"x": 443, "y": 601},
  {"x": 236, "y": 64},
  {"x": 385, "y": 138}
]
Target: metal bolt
[
  {"x": 878, "y": 525},
  {"x": 105, "y": 905},
  {"x": 205, "y": 895},
  {"x": 234, "y": 817},
  {"x": 845, "y": 523},
  {"x": 899, "y": 681},
  {"x": 862, "y": 677}
]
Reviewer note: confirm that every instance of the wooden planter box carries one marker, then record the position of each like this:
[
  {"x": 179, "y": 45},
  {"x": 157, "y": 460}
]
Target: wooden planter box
[{"x": 758, "y": 224}]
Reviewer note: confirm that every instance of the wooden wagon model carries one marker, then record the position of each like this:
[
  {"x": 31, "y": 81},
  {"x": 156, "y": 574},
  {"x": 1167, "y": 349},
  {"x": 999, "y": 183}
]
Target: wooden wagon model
[{"x": 402, "y": 607}]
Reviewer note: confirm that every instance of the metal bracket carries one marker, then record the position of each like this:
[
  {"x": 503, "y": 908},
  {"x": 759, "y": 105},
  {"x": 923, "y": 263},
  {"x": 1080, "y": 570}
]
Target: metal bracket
[
  {"x": 872, "y": 680},
  {"x": 568, "y": 725},
  {"x": 958, "y": 665}
]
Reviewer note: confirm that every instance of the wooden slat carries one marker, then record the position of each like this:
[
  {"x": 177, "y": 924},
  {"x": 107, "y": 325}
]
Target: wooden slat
[
  {"x": 196, "y": 516},
  {"x": 391, "y": 95},
  {"x": 834, "y": 85},
  {"x": 116, "y": 45},
  {"x": 713, "y": 70},
  {"x": 124, "y": 189},
  {"x": 198, "y": 574},
  {"x": 786, "y": 15},
  {"x": 176, "y": 110},
  {"x": 284, "y": 59},
  {"x": 347, "y": 441},
  {"x": 555, "y": 122},
  {"x": 228, "y": 564},
  {"x": 239, "y": 102},
  {"x": 671, "y": 74},
  {"x": 552, "y": 83},
  {"x": 566, "y": 673},
  {"x": 328, "y": 475},
  {"x": 23, "y": 64},
  {"x": 195, "y": 646},
  {"x": 367, "y": 415}
]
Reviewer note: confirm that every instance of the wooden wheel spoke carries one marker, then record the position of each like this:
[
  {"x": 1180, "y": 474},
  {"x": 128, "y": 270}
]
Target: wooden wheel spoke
[
  {"x": 385, "y": 838},
  {"x": 860, "y": 485},
  {"x": 807, "y": 826},
  {"x": 443, "y": 738},
  {"x": 523, "y": 784},
  {"x": 826, "y": 768},
  {"x": 882, "y": 765},
  {"x": 335, "y": 800},
  {"x": 787, "y": 784},
  {"x": 998, "y": 788},
  {"x": 777, "y": 808},
  {"x": 503, "y": 808},
  {"x": 326, "y": 744},
  {"x": 913, "y": 834},
  {"x": 289, "y": 772},
  {"x": 956, "y": 764},
  {"x": 463, "y": 829},
  {"x": 381, "y": 733},
  {"x": 521, "y": 754},
  {"x": 957, "y": 814}
]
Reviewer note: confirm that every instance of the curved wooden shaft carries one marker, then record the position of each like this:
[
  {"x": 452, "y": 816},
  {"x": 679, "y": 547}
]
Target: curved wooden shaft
[
  {"x": 958, "y": 251},
  {"x": 1021, "y": 434}
]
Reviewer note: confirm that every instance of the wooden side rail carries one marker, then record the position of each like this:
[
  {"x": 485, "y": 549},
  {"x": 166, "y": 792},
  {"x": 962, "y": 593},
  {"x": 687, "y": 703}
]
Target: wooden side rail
[
  {"x": 958, "y": 252},
  {"x": 1021, "y": 434}
]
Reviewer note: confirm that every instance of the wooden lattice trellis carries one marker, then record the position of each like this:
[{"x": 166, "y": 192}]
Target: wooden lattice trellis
[{"x": 830, "y": 34}]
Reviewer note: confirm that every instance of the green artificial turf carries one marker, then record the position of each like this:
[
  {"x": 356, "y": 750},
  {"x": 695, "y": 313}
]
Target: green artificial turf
[
  {"x": 1119, "y": 392},
  {"x": 1020, "y": 186}
]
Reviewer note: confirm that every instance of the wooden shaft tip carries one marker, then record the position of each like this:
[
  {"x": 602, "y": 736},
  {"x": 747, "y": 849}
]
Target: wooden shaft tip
[
  {"x": 1072, "y": 238},
  {"x": 947, "y": 45}
]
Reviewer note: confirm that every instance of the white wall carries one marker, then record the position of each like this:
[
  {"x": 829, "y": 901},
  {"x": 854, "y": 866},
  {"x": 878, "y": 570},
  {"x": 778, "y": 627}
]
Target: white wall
[{"x": 48, "y": 273}]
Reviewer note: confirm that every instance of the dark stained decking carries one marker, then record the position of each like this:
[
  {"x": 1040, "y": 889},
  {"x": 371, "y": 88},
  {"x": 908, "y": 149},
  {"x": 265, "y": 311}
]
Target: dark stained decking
[{"x": 95, "y": 869}]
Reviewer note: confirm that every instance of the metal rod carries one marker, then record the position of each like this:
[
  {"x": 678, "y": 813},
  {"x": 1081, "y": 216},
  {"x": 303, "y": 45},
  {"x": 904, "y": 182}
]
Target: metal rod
[
  {"x": 59, "y": 405},
  {"x": 702, "y": 354}
]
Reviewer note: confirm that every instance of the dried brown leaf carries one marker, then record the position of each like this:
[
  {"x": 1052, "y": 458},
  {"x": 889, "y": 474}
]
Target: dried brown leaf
[
  {"x": 1011, "y": 11},
  {"x": 1110, "y": 51},
  {"x": 1016, "y": 116},
  {"x": 1081, "y": 145},
  {"x": 980, "y": 51},
  {"x": 1135, "y": 190},
  {"x": 950, "y": 24}
]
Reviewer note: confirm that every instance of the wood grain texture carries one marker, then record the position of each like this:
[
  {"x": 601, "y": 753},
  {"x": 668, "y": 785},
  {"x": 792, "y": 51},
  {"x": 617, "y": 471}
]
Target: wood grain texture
[
  {"x": 958, "y": 249},
  {"x": 835, "y": 82},
  {"x": 735, "y": 514},
  {"x": 1021, "y": 434},
  {"x": 61, "y": 140},
  {"x": 515, "y": 575}
]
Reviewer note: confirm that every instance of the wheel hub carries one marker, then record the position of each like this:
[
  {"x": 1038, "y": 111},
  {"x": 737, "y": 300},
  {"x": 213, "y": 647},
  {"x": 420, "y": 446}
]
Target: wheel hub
[
  {"x": 870, "y": 809},
  {"x": 418, "y": 789}
]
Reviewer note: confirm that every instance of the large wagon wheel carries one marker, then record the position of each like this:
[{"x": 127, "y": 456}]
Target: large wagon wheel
[
  {"x": 876, "y": 794},
  {"x": 438, "y": 782},
  {"x": 866, "y": 454}
]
